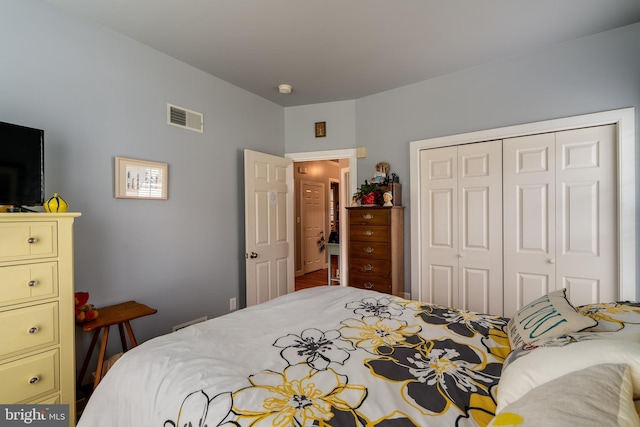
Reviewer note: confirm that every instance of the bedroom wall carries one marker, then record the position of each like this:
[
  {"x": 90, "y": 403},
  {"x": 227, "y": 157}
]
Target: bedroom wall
[
  {"x": 98, "y": 95},
  {"x": 591, "y": 74}
]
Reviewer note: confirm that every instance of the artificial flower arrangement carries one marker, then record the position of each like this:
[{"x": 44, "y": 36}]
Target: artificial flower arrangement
[{"x": 369, "y": 194}]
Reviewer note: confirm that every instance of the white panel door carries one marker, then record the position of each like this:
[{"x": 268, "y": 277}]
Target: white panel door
[
  {"x": 586, "y": 224},
  {"x": 439, "y": 198},
  {"x": 462, "y": 239},
  {"x": 560, "y": 216},
  {"x": 529, "y": 220},
  {"x": 480, "y": 227},
  {"x": 268, "y": 226}
]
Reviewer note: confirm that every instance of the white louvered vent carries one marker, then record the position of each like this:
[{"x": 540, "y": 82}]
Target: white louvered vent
[{"x": 183, "y": 118}]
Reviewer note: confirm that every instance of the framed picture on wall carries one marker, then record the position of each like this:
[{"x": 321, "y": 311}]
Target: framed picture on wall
[
  {"x": 321, "y": 129},
  {"x": 140, "y": 179}
]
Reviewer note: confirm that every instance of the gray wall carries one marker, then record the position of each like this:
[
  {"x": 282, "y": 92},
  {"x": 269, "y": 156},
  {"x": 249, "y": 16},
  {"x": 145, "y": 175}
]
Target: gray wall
[
  {"x": 98, "y": 95},
  {"x": 587, "y": 75}
]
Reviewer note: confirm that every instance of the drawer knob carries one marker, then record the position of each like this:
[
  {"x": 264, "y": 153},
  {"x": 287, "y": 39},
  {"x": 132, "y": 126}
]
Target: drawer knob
[
  {"x": 33, "y": 330},
  {"x": 368, "y": 250},
  {"x": 34, "y": 380},
  {"x": 367, "y": 216},
  {"x": 368, "y": 267},
  {"x": 32, "y": 240},
  {"x": 368, "y": 285},
  {"x": 32, "y": 283},
  {"x": 368, "y": 233}
]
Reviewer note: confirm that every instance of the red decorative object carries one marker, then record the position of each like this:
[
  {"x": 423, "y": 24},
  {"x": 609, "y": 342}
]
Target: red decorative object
[
  {"x": 369, "y": 199},
  {"x": 84, "y": 312}
]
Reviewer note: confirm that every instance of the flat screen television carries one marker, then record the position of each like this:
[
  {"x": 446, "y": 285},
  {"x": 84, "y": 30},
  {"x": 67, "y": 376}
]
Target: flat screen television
[{"x": 21, "y": 165}]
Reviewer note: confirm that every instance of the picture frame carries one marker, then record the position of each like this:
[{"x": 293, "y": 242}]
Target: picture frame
[
  {"x": 140, "y": 179},
  {"x": 321, "y": 129}
]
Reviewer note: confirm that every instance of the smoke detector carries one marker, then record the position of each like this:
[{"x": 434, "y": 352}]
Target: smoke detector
[{"x": 285, "y": 89}]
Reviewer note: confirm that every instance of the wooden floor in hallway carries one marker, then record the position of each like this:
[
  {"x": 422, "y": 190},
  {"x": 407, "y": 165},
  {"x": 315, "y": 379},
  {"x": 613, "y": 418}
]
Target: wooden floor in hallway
[{"x": 313, "y": 279}]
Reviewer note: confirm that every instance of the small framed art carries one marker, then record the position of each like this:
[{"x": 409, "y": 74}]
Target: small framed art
[
  {"x": 140, "y": 179},
  {"x": 321, "y": 129}
]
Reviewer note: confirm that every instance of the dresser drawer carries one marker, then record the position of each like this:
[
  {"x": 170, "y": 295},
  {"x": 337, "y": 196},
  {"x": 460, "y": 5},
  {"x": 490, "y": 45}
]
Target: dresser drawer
[
  {"x": 28, "y": 329},
  {"x": 369, "y": 216},
  {"x": 372, "y": 284},
  {"x": 51, "y": 400},
  {"x": 28, "y": 240},
  {"x": 29, "y": 378},
  {"x": 376, "y": 250},
  {"x": 369, "y": 233},
  {"x": 28, "y": 282},
  {"x": 370, "y": 267}
]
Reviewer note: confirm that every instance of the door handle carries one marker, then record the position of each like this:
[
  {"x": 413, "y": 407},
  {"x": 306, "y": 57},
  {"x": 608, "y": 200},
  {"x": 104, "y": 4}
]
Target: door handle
[{"x": 252, "y": 256}]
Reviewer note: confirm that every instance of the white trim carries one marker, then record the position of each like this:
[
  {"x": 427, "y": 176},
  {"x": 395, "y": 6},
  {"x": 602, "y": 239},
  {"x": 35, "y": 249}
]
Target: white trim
[
  {"x": 350, "y": 154},
  {"x": 625, "y": 120}
]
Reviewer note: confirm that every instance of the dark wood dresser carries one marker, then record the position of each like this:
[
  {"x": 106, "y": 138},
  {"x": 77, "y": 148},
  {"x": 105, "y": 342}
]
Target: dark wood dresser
[{"x": 376, "y": 248}]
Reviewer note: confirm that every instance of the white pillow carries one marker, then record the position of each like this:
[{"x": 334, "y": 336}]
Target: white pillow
[
  {"x": 541, "y": 362},
  {"x": 548, "y": 316},
  {"x": 597, "y": 396}
]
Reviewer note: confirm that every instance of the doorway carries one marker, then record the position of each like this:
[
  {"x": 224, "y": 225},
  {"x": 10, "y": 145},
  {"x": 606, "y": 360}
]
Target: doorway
[{"x": 333, "y": 169}]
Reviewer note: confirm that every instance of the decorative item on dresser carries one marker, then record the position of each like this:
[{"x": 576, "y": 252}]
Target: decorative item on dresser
[
  {"x": 376, "y": 248},
  {"x": 37, "y": 327}
]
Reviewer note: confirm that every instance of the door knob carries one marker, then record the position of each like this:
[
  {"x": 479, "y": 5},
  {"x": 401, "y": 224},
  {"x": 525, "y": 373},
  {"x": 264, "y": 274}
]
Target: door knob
[
  {"x": 551, "y": 261},
  {"x": 253, "y": 255}
]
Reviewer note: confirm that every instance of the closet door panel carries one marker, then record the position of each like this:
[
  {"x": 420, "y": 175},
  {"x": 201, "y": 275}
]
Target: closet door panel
[
  {"x": 443, "y": 288},
  {"x": 439, "y": 235},
  {"x": 476, "y": 290},
  {"x": 586, "y": 215},
  {"x": 480, "y": 225},
  {"x": 531, "y": 286},
  {"x": 529, "y": 219}
]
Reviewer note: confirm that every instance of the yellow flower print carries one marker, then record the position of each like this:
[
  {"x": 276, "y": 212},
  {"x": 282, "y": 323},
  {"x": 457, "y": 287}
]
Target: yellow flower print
[
  {"x": 297, "y": 397},
  {"x": 369, "y": 333}
]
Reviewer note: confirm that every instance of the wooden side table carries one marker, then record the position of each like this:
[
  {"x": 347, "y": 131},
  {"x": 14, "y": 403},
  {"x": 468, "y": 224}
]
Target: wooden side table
[{"x": 119, "y": 314}]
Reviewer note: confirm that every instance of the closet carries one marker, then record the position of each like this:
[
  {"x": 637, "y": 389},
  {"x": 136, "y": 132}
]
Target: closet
[{"x": 506, "y": 221}]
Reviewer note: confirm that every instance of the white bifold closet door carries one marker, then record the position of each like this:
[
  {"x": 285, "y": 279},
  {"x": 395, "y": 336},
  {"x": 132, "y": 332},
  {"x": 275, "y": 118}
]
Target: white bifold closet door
[
  {"x": 560, "y": 216},
  {"x": 508, "y": 221},
  {"x": 462, "y": 235}
]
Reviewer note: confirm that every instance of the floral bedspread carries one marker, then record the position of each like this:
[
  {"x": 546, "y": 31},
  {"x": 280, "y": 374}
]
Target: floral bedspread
[{"x": 329, "y": 356}]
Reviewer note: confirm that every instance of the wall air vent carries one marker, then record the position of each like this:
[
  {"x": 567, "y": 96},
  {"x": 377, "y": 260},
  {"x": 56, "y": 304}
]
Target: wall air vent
[{"x": 183, "y": 118}]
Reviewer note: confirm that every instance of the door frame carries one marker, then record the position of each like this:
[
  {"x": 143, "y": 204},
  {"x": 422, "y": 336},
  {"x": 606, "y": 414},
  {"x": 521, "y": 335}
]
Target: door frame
[
  {"x": 626, "y": 184},
  {"x": 350, "y": 154}
]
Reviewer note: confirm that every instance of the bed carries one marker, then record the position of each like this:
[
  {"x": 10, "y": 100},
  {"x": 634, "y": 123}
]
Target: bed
[{"x": 339, "y": 356}]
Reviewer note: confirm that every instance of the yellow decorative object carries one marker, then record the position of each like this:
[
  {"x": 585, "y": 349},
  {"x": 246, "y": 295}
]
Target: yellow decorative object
[
  {"x": 56, "y": 204},
  {"x": 508, "y": 419}
]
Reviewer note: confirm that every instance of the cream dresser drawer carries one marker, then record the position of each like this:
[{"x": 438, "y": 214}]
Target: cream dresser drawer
[
  {"x": 51, "y": 400},
  {"x": 29, "y": 378},
  {"x": 28, "y": 282},
  {"x": 28, "y": 329},
  {"x": 28, "y": 240}
]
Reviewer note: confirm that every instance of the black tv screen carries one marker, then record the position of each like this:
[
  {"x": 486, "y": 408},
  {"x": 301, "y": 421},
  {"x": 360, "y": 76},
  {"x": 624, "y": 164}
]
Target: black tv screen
[{"x": 21, "y": 165}]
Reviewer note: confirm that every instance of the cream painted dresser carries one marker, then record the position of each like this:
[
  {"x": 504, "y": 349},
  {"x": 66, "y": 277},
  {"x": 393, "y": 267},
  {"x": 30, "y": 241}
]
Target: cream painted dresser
[{"x": 37, "y": 328}]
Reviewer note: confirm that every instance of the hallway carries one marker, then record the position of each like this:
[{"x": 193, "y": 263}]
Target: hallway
[{"x": 313, "y": 279}]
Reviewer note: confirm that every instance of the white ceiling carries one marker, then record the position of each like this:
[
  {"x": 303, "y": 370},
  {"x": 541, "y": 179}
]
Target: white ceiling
[{"x": 332, "y": 50}]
